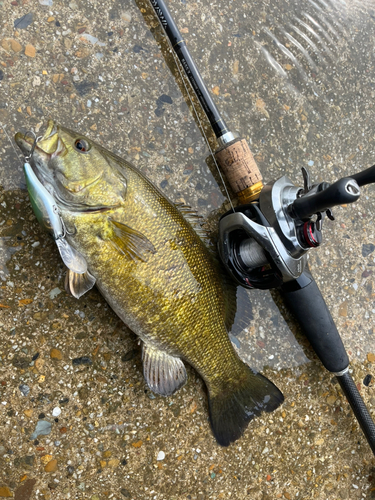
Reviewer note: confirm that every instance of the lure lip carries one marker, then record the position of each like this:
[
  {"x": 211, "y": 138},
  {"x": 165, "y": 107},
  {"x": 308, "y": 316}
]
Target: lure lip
[{"x": 25, "y": 143}]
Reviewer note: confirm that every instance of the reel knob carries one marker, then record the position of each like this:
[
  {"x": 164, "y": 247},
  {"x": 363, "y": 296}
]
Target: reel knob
[{"x": 310, "y": 235}]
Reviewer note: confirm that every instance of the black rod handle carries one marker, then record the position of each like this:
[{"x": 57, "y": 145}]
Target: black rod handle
[
  {"x": 365, "y": 177},
  {"x": 344, "y": 190},
  {"x": 306, "y": 302},
  {"x": 359, "y": 408}
]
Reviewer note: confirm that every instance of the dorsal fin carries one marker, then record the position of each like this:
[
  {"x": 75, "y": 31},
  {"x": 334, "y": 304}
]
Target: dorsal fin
[
  {"x": 229, "y": 295},
  {"x": 229, "y": 286},
  {"x": 243, "y": 312},
  {"x": 195, "y": 220}
]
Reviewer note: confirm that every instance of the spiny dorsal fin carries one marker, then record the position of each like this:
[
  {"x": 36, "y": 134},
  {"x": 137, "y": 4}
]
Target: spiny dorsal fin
[
  {"x": 78, "y": 284},
  {"x": 130, "y": 242},
  {"x": 164, "y": 374},
  {"x": 194, "y": 220}
]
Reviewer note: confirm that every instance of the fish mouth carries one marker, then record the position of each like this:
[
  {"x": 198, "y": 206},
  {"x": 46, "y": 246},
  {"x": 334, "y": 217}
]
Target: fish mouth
[
  {"x": 51, "y": 130},
  {"x": 49, "y": 146},
  {"x": 51, "y": 143},
  {"x": 45, "y": 147}
]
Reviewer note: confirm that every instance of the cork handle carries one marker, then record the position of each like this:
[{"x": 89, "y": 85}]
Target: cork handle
[{"x": 238, "y": 165}]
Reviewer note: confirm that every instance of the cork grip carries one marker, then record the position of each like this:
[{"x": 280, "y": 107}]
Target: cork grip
[{"x": 238, "y": 165}]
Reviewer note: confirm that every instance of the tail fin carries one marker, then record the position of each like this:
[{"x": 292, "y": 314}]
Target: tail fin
[{"x": 240, "y": 401}]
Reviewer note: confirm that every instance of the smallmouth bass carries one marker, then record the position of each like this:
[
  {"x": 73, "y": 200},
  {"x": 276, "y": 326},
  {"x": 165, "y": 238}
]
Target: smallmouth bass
[{"x": 146, "y": 258}]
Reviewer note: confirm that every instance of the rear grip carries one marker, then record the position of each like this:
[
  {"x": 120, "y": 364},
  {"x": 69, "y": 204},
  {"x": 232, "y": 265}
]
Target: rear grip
[{"x": 307, "y": 304}]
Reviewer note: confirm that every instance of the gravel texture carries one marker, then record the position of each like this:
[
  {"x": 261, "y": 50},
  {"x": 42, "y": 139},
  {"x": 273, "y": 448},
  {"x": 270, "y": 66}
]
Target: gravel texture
[{"x": 77, "y": 419}]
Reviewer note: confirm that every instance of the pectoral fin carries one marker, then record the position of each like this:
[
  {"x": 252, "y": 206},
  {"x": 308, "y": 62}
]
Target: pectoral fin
[
  {"x": 164, "y": 374},
  {"x": 130, "y": 242},
  {"x": 78, "y": 284}
]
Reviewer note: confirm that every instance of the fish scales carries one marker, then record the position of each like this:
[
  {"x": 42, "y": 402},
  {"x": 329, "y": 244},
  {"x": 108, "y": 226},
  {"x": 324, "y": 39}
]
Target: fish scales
[
  {"x": 176, "y": 295},
  {"x": 160, "y": 278}
]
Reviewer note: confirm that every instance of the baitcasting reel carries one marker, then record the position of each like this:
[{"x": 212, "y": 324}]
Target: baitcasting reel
[{"x": 264, "y": 244}]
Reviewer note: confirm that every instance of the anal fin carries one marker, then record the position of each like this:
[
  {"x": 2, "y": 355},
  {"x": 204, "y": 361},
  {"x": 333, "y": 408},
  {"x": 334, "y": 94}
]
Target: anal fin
[
  {"x": 78, "y": 284},
  {"x": 164, "y": 374}
]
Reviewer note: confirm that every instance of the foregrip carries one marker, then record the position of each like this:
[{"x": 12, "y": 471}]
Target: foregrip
[
  {"x": 237, "y": 162},
  {"x": 305, "y": 301}
]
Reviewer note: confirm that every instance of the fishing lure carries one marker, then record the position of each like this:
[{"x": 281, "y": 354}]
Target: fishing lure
[{"x": 48, "y": 215}]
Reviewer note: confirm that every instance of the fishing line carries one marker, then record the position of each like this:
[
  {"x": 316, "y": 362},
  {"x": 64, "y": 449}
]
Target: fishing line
[
  {"x": 200, "y": 123},
  {"x": 11, "y": 143},
  {"x": 233, "y": 158},
  {"x": 177, "y": 62}
]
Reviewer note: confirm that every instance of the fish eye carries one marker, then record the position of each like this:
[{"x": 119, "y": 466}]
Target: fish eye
[{"x": 82, "y": 145}]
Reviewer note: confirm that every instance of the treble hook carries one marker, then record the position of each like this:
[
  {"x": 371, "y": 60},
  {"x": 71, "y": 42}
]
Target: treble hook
[{"x": 36, "y": 139}]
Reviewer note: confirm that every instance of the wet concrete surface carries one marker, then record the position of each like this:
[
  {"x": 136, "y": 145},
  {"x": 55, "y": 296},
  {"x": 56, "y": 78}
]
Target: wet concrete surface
[{"x": 297, "y": 80}]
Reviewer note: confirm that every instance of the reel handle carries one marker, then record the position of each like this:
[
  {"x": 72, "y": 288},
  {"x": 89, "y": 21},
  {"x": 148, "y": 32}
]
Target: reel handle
[
  {"x": 365, "y": 177},
  {"x": 343, "y": 191}
]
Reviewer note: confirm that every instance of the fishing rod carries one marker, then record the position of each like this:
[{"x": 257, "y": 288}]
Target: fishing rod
[
  {"x": 234, "y": 156},
  {"x": 264, "y": 241}
]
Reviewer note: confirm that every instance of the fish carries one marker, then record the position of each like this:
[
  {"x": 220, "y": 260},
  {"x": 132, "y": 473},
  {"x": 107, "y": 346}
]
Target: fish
[{"x": 149, "y": 259}]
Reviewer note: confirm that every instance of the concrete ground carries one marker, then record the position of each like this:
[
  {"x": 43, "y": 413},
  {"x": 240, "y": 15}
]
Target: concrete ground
[{"x": 296, "y": 79}]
